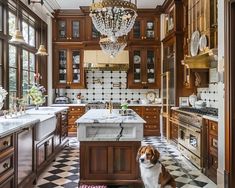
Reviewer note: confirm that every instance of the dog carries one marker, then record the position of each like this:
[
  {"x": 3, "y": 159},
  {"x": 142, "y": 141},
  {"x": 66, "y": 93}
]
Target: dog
[{"x": 153, "y": 173}]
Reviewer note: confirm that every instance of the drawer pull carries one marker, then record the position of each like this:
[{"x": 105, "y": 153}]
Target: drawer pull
[
  {"x": 213, "y": 127},
  {"x": 6, "y": 143},
  {"x": 73, "y": 116},
  {"x": 6, "y": 165},
  {"x": 72, "y": 109}
]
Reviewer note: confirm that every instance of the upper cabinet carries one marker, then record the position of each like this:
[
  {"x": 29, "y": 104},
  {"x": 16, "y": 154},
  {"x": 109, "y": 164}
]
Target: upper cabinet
[
  {"x": 91, "y": 33},
  {"x": 144, "y": 72},
  {"x": 68, "y": 29},
  {"x": 68, "y": 70},
  {"x": 146, "y": 28}
]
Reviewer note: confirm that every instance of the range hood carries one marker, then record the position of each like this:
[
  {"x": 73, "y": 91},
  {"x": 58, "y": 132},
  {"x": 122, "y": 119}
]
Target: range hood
[{"x": 97, "y": 59}]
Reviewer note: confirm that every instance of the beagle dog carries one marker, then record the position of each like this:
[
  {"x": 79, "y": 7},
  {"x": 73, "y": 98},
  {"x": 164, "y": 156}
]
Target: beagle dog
[{"x": 153, "y": 173}]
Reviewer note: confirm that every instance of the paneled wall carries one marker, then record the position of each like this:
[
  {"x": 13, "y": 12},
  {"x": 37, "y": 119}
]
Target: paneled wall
[{"x": 106, "y": 85}]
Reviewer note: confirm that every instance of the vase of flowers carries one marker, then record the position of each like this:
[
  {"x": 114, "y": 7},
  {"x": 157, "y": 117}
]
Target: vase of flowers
[
  {"x": 3, "y": 94},
  {"x": 37, "y": 92}
]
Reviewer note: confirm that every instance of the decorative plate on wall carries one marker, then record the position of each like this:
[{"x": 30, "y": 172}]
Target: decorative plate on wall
[
  {"x": 202, "y": 43},
  {"x": 137, "y": 59},
  {"x": 151, "y": 95},
  {"x": 194, "y": 43}
]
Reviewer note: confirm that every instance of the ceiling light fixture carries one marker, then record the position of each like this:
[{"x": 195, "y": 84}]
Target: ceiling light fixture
[
  {"x": 112, "y": 48},
  {"x": 113, "y": 18},
  {"x": 17, "y": 37}
]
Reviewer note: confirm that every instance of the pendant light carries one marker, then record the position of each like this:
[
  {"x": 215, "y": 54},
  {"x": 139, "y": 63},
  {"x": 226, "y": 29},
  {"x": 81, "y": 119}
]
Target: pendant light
[
  {"x": 17, "y": 37},
  {"x": 41, "y": 50}
]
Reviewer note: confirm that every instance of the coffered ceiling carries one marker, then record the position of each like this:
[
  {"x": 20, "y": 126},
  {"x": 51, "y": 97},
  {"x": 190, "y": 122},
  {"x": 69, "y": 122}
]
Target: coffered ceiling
[{"x": 74, "y": 4}]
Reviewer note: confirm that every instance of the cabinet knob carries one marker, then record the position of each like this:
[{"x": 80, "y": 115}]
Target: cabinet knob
[
  {"x": 142, "y": 37},
  {"x": 6, "y": 165},
  {"x": 67, "y": 38},
  {"x": 145, "y": 37},
  {"x": 5, "y": 143}
]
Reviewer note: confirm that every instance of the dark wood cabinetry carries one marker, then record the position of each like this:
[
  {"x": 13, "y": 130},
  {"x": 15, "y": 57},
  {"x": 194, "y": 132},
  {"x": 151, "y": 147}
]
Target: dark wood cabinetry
[
  {"x": 152, "y": 117},
  {"x": 68, "y": 29},
  {"x": 44, "y": 151},
  {"x": 145, "y": 68},
  {"x": 146, "y": 27},
  {"x": 68, "y": 71},
  {"x": 74, "y": 113},
  {"x": 7, "y": 163},
  {"x": 112, "y": 163},
  {"x": 212, "y": 149}
]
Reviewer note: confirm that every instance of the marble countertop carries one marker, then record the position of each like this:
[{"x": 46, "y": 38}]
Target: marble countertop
[
  {"x": 103, "y": 116},
  {"x": 47, "y": 110},
  {"x": 68, "y": 105},
  {"x": 152, "y": 104},
  {"x": 213, "y": 118},
  {"x": 8, "y": 126}
]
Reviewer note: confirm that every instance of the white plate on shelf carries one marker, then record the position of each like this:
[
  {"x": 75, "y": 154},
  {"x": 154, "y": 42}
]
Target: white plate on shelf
[
  {"x": 137, "y": 59},
  {"x": 202, "y": 43},
  {"x": 194, "y": 43},
  {"x": 76, "y": 59}
]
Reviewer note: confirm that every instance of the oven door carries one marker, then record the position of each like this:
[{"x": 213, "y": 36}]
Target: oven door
[{"x": 194, "y": 142}]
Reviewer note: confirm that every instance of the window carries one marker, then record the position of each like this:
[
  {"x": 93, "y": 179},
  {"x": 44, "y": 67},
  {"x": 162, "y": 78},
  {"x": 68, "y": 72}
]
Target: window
[
  {"x": 11, "y": 23},
  {"x": 28, "y": 70},
  {"x": 12, "y": 72},
  {"x": 1, "y": 18},
  {"x": 28, "y": 33}
]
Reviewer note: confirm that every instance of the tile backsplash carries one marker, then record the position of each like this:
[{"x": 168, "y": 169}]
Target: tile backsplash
[
  {"x": 106, "y": 85},
  {"x": 209, "y": 95}
]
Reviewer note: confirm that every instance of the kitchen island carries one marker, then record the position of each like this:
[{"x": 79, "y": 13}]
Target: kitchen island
[{"x": 108, "y": 146}]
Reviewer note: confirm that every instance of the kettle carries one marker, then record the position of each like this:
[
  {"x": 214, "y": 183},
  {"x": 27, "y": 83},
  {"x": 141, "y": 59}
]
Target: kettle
[{"x": 192, "y": 100}]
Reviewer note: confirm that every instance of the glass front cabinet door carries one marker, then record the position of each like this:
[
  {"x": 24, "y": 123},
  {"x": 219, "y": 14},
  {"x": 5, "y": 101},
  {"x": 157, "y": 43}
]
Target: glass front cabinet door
[
  {"x": 68, "y": 71},
  {"x": 69, "y": 29},
  {"x": 144, "y": 69}
]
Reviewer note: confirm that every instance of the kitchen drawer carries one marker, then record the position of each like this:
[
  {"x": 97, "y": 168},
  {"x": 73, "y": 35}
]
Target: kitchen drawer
[
  {"x": 9, "y": 183},
  {"x": 152, "y": 119},
  {"x": 6, "y": 165},
  {"x": 151, "y": 110},
  {"x": 72, "y": 119},
  {"x": 151, "y": 130},
  {"x": 213, "y": 128},
  {"x": 137, "y": 109},
  {"x": 6, "y": 142},
  {"x": 76, "y": 110}
]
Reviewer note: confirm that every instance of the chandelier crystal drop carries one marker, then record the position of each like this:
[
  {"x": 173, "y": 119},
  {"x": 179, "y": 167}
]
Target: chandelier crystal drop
[
  {"x": 112, "y": 48},
  {"x": 113, "y": 18}
]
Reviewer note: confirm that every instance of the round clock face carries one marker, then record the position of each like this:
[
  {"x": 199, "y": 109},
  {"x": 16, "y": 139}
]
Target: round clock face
[{"x": 151, "y": 96}]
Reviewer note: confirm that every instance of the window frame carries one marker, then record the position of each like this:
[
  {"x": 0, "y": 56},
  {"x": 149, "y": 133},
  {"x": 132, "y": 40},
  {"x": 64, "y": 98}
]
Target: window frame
[{"x": 33, "y": 21}]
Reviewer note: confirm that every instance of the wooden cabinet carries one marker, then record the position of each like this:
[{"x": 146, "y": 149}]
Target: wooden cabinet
[
  {"x": 146, "y": 28},
  {"x": 212, "y": 150},
  {"x": 112, "y": 163},
  {"x": 68, "y": 71},
  {"x": 68, "y": 29},
  {"x": 145, "y": 68},
  {"x": 7, "y": 164},
  {"x": 74, "y": 113},
  {"x": 152, "y": 117},
  {"x": 91, "y": 32},
  {"x": 174, "y": 127},
  {"x": 44, "y": 153}
]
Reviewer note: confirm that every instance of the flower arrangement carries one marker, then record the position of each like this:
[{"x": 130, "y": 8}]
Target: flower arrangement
[{"x": 37, "y": 92}]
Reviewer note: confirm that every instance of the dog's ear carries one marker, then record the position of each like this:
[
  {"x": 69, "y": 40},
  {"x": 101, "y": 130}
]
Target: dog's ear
[
  {"x": 139, "y": 153},
  {"x": 155, "y": 157},
  {"x": 165, "y": 178}
]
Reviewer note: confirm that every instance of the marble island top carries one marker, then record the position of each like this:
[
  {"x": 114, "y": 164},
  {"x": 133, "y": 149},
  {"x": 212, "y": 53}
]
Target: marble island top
[
  {"x": 100, "y": 125},
  {"x": 104, "y": 116}
]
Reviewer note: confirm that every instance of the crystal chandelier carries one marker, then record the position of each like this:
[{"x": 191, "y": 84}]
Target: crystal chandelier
[
  {"x": 113, "y": 18},
  {"x": 112, "y": 48}
]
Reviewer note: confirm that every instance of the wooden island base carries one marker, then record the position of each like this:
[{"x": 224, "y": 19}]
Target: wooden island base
[{"x": 109, "y": 163}]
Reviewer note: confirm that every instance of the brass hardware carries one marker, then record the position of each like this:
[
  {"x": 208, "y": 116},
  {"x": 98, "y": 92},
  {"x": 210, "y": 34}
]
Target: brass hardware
[
  {"x": 145, "y": 37},
  {"x": 5, "y": 143},
  {"x": 73, "y": 117},
  {"x": 67, "y": 38},
  {"x": 144, "y": 82},
  {"x": 72, "y": 109},
  {"x": 213, "y": 127},
  {"x": 6, "y": 165}
]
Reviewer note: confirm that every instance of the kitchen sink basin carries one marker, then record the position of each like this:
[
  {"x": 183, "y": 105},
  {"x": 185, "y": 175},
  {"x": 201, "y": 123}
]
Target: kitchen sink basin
[{"x": 45, "y": 127}]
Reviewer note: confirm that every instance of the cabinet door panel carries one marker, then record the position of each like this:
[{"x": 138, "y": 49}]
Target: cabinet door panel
[
  {"x": 62, "y": 29},
  {"x": 41, "y": 157},
  {"x": 121, "y": 160}
]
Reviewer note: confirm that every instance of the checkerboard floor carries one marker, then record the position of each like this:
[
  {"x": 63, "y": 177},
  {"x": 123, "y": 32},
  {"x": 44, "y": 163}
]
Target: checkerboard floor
[{"x": 64, "y": 172}]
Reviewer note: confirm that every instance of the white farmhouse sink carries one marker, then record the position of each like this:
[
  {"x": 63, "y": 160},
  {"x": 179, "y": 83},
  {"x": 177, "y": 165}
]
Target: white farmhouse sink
[
  {"x": 46, "y": 110},
  {"x": 45, "y": 127}
]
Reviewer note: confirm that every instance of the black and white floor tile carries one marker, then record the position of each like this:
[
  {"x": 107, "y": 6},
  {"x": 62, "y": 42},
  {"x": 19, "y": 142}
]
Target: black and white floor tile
[{"x": 64, "y": 172}]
